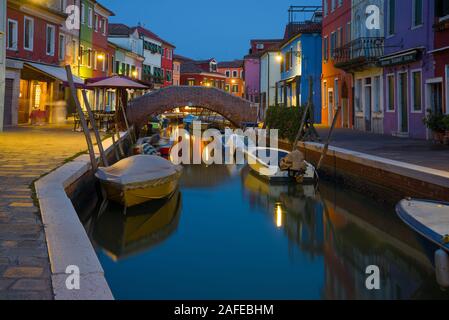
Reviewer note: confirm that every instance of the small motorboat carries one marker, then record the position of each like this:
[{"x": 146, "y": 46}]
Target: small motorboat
[
  {"x": 138, "y": 179},
  {"x": 430, "y": 221},
  {"x": 154, "y": 145},
  {"x": 259, "y": 161}
]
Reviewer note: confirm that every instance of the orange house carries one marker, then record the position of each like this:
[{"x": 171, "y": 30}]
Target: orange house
[{"x": 233, "y": 70}]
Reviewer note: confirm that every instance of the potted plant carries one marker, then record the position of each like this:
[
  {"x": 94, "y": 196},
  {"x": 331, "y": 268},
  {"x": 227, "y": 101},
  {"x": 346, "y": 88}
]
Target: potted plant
[{"x": 436, "y": 123}]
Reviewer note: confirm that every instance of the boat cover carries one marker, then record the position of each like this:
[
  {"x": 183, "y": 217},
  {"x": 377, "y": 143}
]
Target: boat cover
[{"x": 140, "y": 170}]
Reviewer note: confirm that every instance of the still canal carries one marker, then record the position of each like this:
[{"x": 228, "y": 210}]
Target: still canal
[{"x": 228, "y": 235}]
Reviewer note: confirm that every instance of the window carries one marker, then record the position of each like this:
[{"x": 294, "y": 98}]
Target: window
[
  {"x": 50, "y": 40},
  {"x": 83, "y": 13},
  {"x": 62, "y": 5},
  {"x": 324, "y": 94},
  {"x": 227, "y": 88},
  {"x": 89, "y": 58},
  {"x": 417, "y": 91},
  {"x": 333, "y": 44},
  {"x": 83, "y": 56},
  {"x": 191, "y": 82},
  {"x": 376, "y": 94},
  {"x": 358, "y": 95},
  {"x": 96, "y": 22},
  {"x": 103, "y": 26},
  {"x": 442, "y": 9},
  {"x": 447, "y": 89},
  {"x": 326, "y": 48},
  {"x": 390, "y": 93},
  {"x": 348, "y": 32},
  {"x": 28, "y": 33},
  {"x": 391, "y": 12},
  {"x": 336, "y": 94},
  {"x": 417, "y": 10},
  {"x": 12, "y": 34},
  {"x": 74, "y": 55},
  {"x": 340, "y": 3},
  {"x": 235, "y": 74},
  {"x": 61, "y": 47},
  {"x": 235, "y": 88},
  {"x": 95, "y": 59},
  {"x": 260, "y": 46},
  {"x": 90, "y": 17},
  {"x": 228, "y": 74},
  {"x": 326, "y": 9},
  {"x": 333, "y": 5}
]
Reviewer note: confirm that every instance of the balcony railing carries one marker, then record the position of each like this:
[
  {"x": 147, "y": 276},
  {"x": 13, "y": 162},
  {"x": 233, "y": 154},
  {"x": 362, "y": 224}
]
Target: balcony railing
[{"x": 359, "y": 53}]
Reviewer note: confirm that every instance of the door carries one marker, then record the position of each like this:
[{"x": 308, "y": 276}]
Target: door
[
  {"x": 368, "y": 98},
  {"x": 403, "y": 103},
  {"x": 7, "y": 115},
  {"x": 436, "y": 98},
  {"x": 330, "y": 105}
]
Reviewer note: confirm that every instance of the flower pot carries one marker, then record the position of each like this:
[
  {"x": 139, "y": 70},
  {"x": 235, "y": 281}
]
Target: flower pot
[{"x": 438, "y": 136}]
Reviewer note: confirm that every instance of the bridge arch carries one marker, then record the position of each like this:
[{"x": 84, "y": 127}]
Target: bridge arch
[{"x": 237, "y": 110}]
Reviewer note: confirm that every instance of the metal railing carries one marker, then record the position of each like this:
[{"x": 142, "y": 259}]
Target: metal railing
[{"x": 361, "y": 50}]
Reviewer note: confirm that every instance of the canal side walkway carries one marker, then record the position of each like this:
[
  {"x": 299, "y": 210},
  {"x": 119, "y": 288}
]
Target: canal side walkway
[
  {"x": 26, "y": 153},
  {"x": 417, "y": 152}
]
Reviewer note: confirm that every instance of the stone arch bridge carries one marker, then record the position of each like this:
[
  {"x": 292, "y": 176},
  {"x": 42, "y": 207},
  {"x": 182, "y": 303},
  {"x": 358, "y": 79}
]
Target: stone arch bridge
[{"x": 237, "y": 110}]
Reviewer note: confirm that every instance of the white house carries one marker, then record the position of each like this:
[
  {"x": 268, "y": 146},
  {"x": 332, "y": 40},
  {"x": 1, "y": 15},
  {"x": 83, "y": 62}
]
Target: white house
[{"x": 270, "y": 75}]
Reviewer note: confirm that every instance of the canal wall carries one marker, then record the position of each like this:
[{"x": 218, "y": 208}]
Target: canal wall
[
  {"x": 60, "y": 194},
  {"x": 383, "y": 179}
]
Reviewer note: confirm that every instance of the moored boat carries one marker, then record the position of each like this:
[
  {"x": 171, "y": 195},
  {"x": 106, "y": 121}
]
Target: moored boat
[
  {"x": 139, "y": 179},
  {"x": 259, "y": 160},
  {"x": 430, "y": 221}
]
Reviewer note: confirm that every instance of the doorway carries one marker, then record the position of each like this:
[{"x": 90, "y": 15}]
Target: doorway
[
  {"x": 368, "y": 98},
  {"x": 330, "y": 105},
  {"x": 403, "y": 102}
]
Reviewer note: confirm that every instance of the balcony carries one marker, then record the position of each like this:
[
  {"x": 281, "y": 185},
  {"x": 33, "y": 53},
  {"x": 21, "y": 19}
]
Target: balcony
[{"x": 359, "y": 54}]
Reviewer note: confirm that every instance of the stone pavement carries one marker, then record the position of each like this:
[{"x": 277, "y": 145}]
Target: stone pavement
[
  {"x": 418, "y": 152},
  {"x": 26, "y": 153}
]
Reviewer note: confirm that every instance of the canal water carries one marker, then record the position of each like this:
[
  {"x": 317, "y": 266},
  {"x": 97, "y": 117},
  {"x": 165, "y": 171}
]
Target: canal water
[{"x": 229, "y": 235}]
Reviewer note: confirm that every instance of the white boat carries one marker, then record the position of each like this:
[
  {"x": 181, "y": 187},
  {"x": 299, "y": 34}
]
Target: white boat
[{"x": 259, "y": 160}]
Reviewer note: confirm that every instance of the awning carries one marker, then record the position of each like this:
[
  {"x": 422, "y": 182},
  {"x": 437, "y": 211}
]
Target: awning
[{"x": 58, "y": 73}]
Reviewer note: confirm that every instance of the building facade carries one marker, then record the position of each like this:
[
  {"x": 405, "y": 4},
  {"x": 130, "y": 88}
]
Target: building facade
[
  {"x": 167, "y": 63},
  {"x": 439, "y": 91},
  {"x": 176, "y": 71},
  {"x": 408, "y": 67},
  {"x": 201, "y": 73},
  {"x": 32, "y": 56},
  {"x": 300, "y": 57},
  {"x": 270, "y": 75},
  {"x": 336, "y": 84},
  {"x": 360, "y": 57},
  {"x": 233, "y": 70},
  {"x": 2, "y": 60}
]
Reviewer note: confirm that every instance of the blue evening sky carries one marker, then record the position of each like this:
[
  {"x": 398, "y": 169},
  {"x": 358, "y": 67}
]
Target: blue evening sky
[{"x": 205, "y": 29}]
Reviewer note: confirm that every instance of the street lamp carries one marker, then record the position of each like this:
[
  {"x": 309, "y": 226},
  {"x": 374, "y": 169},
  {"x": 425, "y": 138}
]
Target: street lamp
[{"x": 279, "y": 57}]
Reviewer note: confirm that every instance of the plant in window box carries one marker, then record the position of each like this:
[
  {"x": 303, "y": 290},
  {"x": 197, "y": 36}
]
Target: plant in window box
[{"x": 436, "y": 123}]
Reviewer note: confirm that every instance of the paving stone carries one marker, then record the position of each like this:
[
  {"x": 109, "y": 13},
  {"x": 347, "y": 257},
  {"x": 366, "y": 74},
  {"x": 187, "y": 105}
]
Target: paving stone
[
  {"x": 23, "y": 272},
  {"x": 31, "y": 285}
]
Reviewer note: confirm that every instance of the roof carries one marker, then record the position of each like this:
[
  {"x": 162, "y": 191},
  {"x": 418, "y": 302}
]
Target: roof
[
  {"x": 230, "y": 64},
  {"x": 193, "y": 67},
  {"x": 112, "y": 14},
  {"x": 150, "y": 34},
  {"x": 119, "y": 29},
  {"x": 295, "y": 28},
  {"x": 180, "y": 58}
]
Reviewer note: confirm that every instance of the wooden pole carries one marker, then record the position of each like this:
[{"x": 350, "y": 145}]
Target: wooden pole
[
  {"x": 326, "y": 147},
  {"x": 94, "y": 127},
  {"x": 83, "y": 122},
  {"x": 306, "y": 113}
]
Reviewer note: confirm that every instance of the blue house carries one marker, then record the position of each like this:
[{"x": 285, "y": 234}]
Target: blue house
[{"x": 300, "y": 59}]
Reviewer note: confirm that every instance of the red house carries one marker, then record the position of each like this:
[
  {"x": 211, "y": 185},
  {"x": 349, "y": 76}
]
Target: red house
[
  {"x": 101, "y": 53},
  {"x": 441, "y": 52},
  {"x": 167, "y": 63},
  {"x": 201, "y": 73},
  {"x": 336, "y": 83},
  {"x": 34, "y": 78}
]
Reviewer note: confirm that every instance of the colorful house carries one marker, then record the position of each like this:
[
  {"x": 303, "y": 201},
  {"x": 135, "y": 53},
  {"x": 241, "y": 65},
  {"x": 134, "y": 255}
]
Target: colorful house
[
  {"x": 233, "y": 70},
  {"x": 336, "y": 84},
  {"x": 360, "y": 57},
  {"x": 176, "y": 71},
  {"x": 167, "y": 63},
  {"x": 270, "y": 75},
  {"x": 408, "y": 75},
  {"x": 439, "y": 90},
  {"x": 300, "y": 56},
  {"x": 33, "y": 78},
  {"x": 201, "y": 73}
]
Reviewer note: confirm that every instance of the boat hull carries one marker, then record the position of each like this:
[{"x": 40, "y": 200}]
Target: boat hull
[{"x": 130, "y": 197}]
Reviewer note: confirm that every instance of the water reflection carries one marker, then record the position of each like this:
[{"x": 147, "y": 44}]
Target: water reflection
[
  {"x": 121, "y": 235},
  {"x": 235, "y": 232}
]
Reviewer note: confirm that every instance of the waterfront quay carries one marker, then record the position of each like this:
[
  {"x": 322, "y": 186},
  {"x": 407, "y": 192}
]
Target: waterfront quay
[{"x": 27, "y": 153}]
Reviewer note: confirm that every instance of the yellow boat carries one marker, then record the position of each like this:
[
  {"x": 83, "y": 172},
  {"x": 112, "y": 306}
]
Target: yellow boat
[{"x": 138, "y": 179}]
